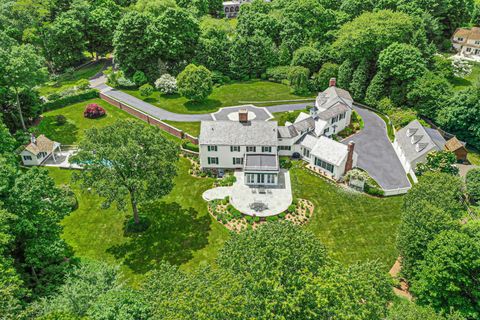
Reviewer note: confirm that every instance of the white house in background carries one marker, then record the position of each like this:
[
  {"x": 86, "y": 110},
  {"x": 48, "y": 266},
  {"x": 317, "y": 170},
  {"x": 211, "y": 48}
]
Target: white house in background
[
  {"x": 254, "y": 146},
  {"x": 413, "y": 143},
  {"x": 38, "y": 150},
  {"x": 232, "y": 8},
  {"x": 467, "y": 42}
]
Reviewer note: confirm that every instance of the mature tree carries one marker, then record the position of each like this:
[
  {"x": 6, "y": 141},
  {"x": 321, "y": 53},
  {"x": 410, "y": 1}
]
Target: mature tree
[
  {"x": 307, "y": 57},
  {"x": 66, "y": 41},
  {"x": 431, "y": 206},
  {"x": 195, "y": 82},
  {"x": 146, "y": 90},
  {"x": 94, "y": 289},
  {"x": 155, "y": 7},
  {"x": 354, "y": 8},
  {"x": 132, "y": 46},
  {"x": 367, "y": 35},
  {"x": 251, "y": 56},
  {"x": 376, "y": 90},
  {"x": 24, "y": 69},
  {"x": 359, "y": 83},
  {"x": 253, "y": 19},
  {"x": 438, "y": 161},
  {"x": 448, "y": 276},
  {"x": 166, "y": 84},
  {"x": 213, "y": 49},
  {"x": 198, "y": 8},
  {"x": 406, "y": 310},
  {"x": 127, "y": 161},
  {"x": 304, "y": 21},
  {"x": 298, "y": 78},
  {"x": 8, "y": 142},
  {"x": 170, "y": 42},
  {"x": 473, "y": 184},
  {"x": 102, "y": 21},
  {"x": 345, "y": 72},
  {"x": 429, "y": 94},
  {"x": 462, "y": 115},
  {"x": 321, "y": 79},
  {"x": 401, "y": 62}
]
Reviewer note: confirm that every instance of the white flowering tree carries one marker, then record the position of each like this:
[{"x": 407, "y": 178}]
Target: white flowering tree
[
  {"x": 461, "y": 67},
  {"x": 166, "y": 84}
]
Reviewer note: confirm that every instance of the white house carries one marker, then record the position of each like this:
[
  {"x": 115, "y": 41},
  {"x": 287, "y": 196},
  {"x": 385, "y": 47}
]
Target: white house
[
  {"x": 232, "y": 8},
  {"x": 413, "y": 143},
  {"x": 254, "y": 146},
  {"x": 38, "y": 150},
  {"x": 467, "y": 42}
]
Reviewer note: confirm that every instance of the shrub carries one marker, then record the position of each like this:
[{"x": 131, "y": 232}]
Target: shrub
[
  {"x": 292, "y": 208},
  {"x": 219, "y": 79},
  {"x": 195, "y": 83},
  {"x": 473, "y": 184},
  {"x": 373, "y": 191},
  {"x": 60, "y": 119},
  {"x": 282, "y": 215},
  {"x": 68, "y": 92},
  {"x": 256, "y": 219},
  {"x": 186, "y": 144},
  {"x": 285, "y": 163},
  {"x": 146, "y": 90},
  {"x": 62, "y": 102},
  {"x": 166, "y": 84},
  {"x": 298, "y": 77},
  {"x": 53, "y": 96},
  {"x": 307, "y": 57},
  {"x": 125, "y": 82},
  {"x": 272, "y": 218},
  {"x": 321, "y": 79},
  {"x": 139, "y": 78},
  {"x": 278, "y": 74},
  {"x": 93, "y": 111},
  {"x": 249, "y": 219},
  {"x": 69, "y": 72},
  {"x": 82, "y": 84}
]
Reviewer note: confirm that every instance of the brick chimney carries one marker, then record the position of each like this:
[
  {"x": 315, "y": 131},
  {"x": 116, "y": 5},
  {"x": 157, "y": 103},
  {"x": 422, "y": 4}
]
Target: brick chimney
[
  {"x": 349, "y": 163},
  {"x": 243, "y": 115},
  {"x": 333, "y": 82}
]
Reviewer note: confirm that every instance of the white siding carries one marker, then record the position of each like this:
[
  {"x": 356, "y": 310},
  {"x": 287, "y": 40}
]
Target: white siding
[{"x": 225, "y": 156}]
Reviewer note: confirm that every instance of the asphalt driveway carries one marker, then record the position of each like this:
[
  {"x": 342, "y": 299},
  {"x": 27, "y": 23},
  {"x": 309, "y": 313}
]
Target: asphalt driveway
[{"x": 376, "y": 154}]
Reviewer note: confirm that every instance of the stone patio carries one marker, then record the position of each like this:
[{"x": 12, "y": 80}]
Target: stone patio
[
  {"x": 270, "y": 200},
  {"x": 61, "y": 160}
]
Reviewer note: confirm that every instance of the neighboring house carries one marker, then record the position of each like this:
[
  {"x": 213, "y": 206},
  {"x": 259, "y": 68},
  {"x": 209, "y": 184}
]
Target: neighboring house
[
  {"x": 232, "y": 8},
  {"x": 458, "y": 148},
  {"x": 413, "y": 143},
  {"x": 467, "y": 42},
  {"x": 254, "y": 146},
  {"x": 38, "y": 150}
]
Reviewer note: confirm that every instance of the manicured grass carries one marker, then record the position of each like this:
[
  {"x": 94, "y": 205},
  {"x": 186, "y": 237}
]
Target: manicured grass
[
  {"x": 474, "y": 157},
  {"x": 388, "y": 123},
  {"x": 182, "y": 232},
  {"x": 227, "y": 95},
  {"x": 290, "y": 116},
  {"x": 192, "y": 128},
  {"x": 68, "y": 82},
  {"x": 353, "y": 226},
  {"x": 72, "y": 131},
  {"x": 473, "y": 79}
]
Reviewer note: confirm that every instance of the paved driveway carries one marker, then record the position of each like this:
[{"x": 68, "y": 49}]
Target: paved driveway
[{"x": 376, "y": 154}]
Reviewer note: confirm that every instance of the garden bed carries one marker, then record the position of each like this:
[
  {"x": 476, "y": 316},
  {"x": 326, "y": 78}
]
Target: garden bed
[{"x": 299, "y": 213}]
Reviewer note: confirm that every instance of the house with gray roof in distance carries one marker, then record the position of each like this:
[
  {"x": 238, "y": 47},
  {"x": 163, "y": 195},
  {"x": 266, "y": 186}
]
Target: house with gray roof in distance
[
  {"x": 38, "y": 150},
  {"x": 413, "y": 143}
]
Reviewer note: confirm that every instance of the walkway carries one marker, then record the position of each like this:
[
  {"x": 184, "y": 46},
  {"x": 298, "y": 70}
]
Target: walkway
[{"x": 376, "y": 154}]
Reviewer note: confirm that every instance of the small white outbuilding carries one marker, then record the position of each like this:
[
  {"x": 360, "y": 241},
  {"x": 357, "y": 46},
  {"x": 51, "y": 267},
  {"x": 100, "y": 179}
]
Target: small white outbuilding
[{"x": 38, "y": 150}]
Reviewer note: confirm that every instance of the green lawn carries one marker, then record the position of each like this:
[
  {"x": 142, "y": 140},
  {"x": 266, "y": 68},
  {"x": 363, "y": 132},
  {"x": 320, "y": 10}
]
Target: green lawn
[
  {"x": 182, "y": 232},
  {"x": 473, "y": 79},
  {"x": 353, "y": 226},
  {"x": 68, "y": 82},
  {"x": 223, "y": 96},
  {"x": 192, "y": 128},
  {"x": 473, "y": 156}
]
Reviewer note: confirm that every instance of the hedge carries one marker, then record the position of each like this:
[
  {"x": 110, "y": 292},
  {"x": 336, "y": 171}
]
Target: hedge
[
  {"x": 186, "y": 144},
  {"x": 62, "y": 102}
]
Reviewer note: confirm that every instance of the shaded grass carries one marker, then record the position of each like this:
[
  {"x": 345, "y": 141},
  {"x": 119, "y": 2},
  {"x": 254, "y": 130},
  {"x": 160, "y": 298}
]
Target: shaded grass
[
  {"x": 227, "y": 95},
  {"x": 72, "y": 131},
  {"x": 473, "y": 79},
  {"x": 388, "y": 123},
  {"x": 69, "y": 82},
  {"x": 182, "y": 232},
  {"x": 192, "y": 128},
  {"x": 473, "y": 156},
  {"x": 353, "y": 226}
]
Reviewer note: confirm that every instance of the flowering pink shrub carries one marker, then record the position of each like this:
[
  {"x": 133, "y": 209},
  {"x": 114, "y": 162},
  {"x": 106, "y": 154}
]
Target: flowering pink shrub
[{"x": 93, "y": 111}]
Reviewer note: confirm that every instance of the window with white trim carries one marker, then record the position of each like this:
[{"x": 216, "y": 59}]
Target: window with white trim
[
  {"x": 266, "y": 149},
  {"x": 212, "y": 160},
  {"x": 287, "y": 148},
  {"x": 212, "y": 148},
  {"x": 323, "y": 164},
  {"x": 234, "y": 148},
  {"x": 306, "y": 153},
  {"x": 27, "y": 158},
  {"x": 251, "y": 149}
]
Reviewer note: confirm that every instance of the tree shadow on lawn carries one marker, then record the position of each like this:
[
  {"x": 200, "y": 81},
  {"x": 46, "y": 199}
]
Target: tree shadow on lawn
[
  {"x": 174, "y": 234},
  {"x": 206, "y": 105},
  {"x": 65, "y": 133},
  {"x": 461, "y": 82}
]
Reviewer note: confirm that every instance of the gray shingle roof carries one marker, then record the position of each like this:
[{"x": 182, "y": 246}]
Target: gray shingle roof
[
  {"x": 232, "y": 133},
  {"x": 287, "y": 132},
  {"x": 416, "y": 140},
  {"x": 333, "y": 111}
]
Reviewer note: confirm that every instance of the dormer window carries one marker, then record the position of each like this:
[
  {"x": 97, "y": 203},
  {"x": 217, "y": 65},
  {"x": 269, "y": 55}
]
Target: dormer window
[
  {"x": 416, "y": 138},
  {"x": 420, "y": 146},
  {"x": 411, "y": 132}
]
